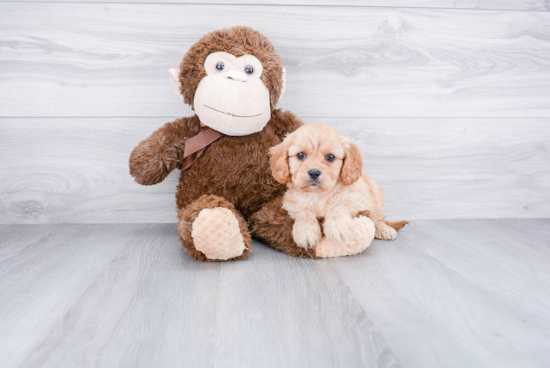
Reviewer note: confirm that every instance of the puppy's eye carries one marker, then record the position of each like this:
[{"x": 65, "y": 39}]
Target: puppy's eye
[
  {"x": 301, "y": 156},
  {"x": 330, "y": 157},
  {"x": 220, "y": 66}
]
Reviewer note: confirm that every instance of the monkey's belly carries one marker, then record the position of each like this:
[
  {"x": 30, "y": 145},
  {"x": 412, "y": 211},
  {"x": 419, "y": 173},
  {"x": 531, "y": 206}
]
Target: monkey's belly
[{"x": 239, "y": 173}]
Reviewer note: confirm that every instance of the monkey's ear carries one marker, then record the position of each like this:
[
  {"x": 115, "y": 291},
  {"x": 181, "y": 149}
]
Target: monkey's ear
[
  {"x": 175, "y": 80},
  {"x": 353, "y": 163},
  {"x": 284, "y": 85},
  {"x": 279, "y": 163}
]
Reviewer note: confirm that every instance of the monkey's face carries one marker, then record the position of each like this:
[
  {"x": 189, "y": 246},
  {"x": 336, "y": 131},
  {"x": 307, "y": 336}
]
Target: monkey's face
[
  {"x": 232, "y": 98},
  {"x": 233, "y": 95}
]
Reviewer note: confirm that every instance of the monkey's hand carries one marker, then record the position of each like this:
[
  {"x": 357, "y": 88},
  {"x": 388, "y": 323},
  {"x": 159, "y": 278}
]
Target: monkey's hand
[{"x": 155, "y": 157}]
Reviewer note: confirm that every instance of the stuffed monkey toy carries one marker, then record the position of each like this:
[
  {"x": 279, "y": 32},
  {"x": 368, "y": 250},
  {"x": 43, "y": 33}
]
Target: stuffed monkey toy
[{"x": 233, "y": 79}]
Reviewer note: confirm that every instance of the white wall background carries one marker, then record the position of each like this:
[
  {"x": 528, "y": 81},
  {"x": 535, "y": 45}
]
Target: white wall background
[{"x": 449, "y": 100}]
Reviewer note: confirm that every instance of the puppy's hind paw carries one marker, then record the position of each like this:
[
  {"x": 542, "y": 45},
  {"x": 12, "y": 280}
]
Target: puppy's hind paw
[
  {"x": 340, "y": 231},
  {"x": 364, "y": 233},
  {"x": 384, "y": 232}
]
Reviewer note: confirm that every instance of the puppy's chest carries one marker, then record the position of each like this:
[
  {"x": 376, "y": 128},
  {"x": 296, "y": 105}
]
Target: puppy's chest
[
  {"x": 316, "y": 203},
  {"x": 322, "y": 204}
]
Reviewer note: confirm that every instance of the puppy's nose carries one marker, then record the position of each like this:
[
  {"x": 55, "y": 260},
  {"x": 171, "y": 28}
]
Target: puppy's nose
[{"x": 314, "y": 174}]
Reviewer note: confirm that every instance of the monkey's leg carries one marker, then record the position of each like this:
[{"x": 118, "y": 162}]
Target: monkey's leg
[
  {"x": 273, "y": 225},
  {"x": 211, "y": 229}
]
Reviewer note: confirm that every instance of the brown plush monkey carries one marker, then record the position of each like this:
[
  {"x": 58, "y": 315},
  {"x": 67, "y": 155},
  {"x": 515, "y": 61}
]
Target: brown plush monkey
[{"x": 233, "y": 78}]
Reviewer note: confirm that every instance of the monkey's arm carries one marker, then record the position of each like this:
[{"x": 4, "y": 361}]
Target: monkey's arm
[
  {"x": 155, "y": 157},
  {"x": 285, "y": 122}
]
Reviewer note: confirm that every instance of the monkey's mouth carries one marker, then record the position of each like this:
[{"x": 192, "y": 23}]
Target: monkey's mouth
[{"x": 228, "y": 113}]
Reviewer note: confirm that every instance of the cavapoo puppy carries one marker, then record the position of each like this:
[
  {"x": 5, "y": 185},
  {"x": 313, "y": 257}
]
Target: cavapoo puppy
[{"x": 323, "y": 171}]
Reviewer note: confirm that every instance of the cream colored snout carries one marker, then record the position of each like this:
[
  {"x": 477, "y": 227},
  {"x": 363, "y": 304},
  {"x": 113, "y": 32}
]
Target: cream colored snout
[
  {"x": 238, "y": 76},
  {"x": 230, "y": 106},
  {"x": 225, "y": 104}
]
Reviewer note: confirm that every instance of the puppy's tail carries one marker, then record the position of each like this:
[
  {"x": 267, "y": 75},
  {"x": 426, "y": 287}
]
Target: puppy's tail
[{"x": 397, "y": 225}]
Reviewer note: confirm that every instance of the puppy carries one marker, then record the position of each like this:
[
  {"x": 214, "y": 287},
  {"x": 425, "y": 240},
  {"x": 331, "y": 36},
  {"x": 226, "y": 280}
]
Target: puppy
[{"x": 322, "y": 169}]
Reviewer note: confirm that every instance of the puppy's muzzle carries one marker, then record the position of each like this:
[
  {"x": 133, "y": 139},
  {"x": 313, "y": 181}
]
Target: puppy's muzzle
[{"x": 314, "y": 174}]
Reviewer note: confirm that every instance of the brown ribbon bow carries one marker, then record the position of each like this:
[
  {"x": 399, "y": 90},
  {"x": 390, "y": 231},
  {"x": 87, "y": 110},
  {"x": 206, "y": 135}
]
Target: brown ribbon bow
[{"x": 196, "y": 145}]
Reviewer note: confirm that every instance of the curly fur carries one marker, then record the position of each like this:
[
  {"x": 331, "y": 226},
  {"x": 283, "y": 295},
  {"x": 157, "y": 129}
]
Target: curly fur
[
  {"x": 155, "y": 157},
  {"x": 337, "y": 194},
  {"x": 233, "y": 172},
  {"x": 238, "y": 41},
  {"x": 353, "y": 164},
  {"x": 237, "y": 168}
]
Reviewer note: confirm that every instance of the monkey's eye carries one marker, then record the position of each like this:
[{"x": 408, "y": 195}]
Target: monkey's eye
[
  {"x": 220, "y": 66},
  {"x": 249, "y": 69},
  {"x": 301, "y": 156},
  {"x": 330, "y": 157}
]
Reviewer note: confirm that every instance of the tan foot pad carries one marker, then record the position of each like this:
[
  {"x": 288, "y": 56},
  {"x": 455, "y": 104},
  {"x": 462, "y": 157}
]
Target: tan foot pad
[
  {"x": 364, "y": 234},
  {"x": 216, "y": 233}
]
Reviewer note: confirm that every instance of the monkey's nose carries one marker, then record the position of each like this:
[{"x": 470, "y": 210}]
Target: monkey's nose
[
  {"x": 238, "y": 76},
  {"x": 314, "y": 174}
]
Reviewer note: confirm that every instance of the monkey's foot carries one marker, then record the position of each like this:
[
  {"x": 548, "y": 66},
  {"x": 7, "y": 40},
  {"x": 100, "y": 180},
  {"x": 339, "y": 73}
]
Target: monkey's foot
[
  {"x": 217, "y": 234},
  {"x": 362, "y": 238}
]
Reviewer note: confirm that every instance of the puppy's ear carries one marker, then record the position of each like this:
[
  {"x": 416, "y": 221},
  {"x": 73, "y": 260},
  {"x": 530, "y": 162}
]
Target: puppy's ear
[
  {"x": 279, "y": 163},
  {"x": 353, "y": 163}
]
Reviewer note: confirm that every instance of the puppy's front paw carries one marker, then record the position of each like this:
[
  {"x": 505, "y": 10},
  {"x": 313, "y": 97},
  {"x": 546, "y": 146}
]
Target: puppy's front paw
[
  {"x": 306, "y": 233},
  {"x": 339, "y": 230}
]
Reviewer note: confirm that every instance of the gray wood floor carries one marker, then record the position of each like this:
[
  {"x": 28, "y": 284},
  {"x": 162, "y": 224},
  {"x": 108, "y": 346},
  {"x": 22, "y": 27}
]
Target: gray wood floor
[{"x": 456, "y": 293}]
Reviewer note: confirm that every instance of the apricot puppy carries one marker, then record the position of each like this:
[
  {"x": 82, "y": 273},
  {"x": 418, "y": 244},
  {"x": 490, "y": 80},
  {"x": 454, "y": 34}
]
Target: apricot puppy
[{"x": 323, "y": 172}]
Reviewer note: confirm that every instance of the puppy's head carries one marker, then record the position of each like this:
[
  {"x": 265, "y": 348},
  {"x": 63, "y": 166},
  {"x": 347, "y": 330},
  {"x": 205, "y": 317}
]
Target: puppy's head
[{"x": 314, "y": 158}]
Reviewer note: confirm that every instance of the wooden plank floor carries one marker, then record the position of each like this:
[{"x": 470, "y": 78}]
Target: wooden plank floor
[{"x": 456, "y": 293}]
